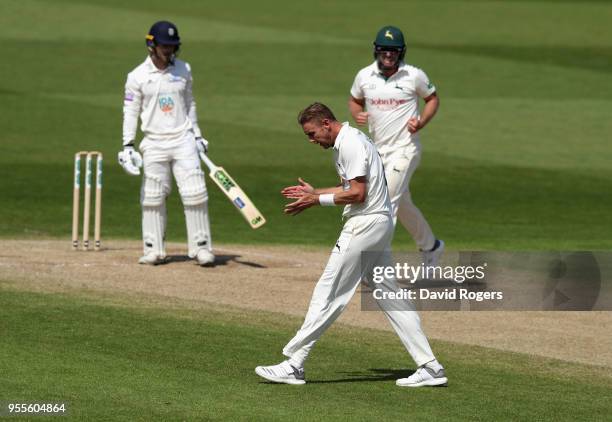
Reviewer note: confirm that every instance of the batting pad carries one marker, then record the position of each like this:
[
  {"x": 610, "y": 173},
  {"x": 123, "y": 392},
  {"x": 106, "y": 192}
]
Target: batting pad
[
  {"x": 198, "y": 228},
  {"x": 152, "y": 193},
  {"x": 154, "y": 229},
  {"x": 192, "y": 188}
]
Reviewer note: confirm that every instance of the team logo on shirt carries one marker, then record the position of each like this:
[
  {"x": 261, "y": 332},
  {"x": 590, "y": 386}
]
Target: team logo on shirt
[{"x": 166, "y": 104}]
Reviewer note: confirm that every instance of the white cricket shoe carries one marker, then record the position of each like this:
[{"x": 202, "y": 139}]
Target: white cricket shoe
[
  {"x": 282, "y": 373},
  {"x": 432, "y": 258},
  {"x": 424, "y": 377},
  {"x": 151, "y": 258},
  {"x": 205, "y": 257}
]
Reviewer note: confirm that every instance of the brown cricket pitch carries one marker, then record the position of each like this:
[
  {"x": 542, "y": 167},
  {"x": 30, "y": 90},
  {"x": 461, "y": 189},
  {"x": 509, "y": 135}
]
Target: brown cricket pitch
[{"x": 281, "y": 279}]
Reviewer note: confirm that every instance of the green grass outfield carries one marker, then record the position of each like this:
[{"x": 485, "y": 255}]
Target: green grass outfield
[
  {"x": 518, "y": 157},
  {"x": 119, "y": 359}
]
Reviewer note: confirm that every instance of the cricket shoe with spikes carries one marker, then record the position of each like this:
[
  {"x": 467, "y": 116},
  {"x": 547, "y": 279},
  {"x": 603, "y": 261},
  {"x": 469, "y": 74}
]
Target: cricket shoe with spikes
[
  {"x": 424, "y": 377},
  {"x": 151, "y": 258},
  {"x": 205, "y": 257},
  {"x": 283, "y": 373}
]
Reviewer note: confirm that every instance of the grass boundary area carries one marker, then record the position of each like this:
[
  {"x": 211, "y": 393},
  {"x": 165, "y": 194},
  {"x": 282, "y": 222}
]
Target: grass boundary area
[{"x": 114, "y": 357}]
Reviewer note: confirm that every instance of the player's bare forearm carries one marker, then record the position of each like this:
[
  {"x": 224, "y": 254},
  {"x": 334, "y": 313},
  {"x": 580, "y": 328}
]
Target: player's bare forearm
[
  {"x": 431, "y": 107},
  {"x": 348, "y": 197},
  {"x": 356, "y": 193},
  {"x": 333, "y": 189},
  {"x": 306, "y": 196},
  {"x": 432, "y": 103},
  {"x": 356, "y": 107}
]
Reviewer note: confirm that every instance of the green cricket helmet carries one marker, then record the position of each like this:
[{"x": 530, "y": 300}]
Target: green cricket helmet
[{"x": 390, "y": 38}]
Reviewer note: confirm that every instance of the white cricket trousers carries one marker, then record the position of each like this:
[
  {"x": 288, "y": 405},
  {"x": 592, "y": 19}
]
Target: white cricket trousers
[
  {"x": 179, "y": 156},
  {"x": 399, "y": 167},
  {"x": 342, "y": 275},
  {"x": 161, "y": 159}
]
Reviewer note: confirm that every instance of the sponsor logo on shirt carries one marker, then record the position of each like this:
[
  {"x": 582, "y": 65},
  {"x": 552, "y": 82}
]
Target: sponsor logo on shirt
[
  {"x": 175, "y": 78},
  {"x": 386, "y": 103},
  {"x": 128, "y": 96},
  {"x": 166, "y": 104}
]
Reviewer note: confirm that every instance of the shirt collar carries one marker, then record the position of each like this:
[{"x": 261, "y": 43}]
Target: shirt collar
[
  {"x": 341, "y": 135},
  {"x": 151, "y": 68},
  {"x": 375, "y": 71}
]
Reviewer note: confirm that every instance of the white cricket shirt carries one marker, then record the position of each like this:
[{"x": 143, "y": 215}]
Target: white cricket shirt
[
  {"x": 163, "y": 99},
  {"x": 391, "y": 102},
  {"x": 355, "y": 155}
]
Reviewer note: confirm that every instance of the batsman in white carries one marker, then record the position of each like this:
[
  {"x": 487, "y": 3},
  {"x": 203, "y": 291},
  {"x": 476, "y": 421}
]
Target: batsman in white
[
  {"x": 368, "y": 228},
  {"x": 159, "y": 91},
  {"x": 385, "y": 95}
]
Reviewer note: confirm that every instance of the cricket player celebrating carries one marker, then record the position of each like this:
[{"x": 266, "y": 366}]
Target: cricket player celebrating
[
  {"x": 159, "y": 91},
  {"x": 385, "y": 95},
  {"x": 368, "y": 227}
]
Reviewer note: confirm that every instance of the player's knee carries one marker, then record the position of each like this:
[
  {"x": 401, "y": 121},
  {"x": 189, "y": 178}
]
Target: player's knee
[
  {"x": 153, "y": 192},
  {"x": 193, "y": 188}
]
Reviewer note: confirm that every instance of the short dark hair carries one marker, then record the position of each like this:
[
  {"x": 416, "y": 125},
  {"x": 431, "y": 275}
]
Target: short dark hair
[{"x": 317, "y": 112}]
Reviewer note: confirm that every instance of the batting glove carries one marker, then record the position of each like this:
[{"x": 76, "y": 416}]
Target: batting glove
[
  {"x": 130, "y": 160},
  {"x": 202, "y": 145}
]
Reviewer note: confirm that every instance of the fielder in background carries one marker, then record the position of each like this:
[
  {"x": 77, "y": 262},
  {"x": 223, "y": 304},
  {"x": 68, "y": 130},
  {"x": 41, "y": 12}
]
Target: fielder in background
[
  {"x": 385, "y": 95},
  {"x": 159, "y": 91},
  {"x": 368, "y": 228}
]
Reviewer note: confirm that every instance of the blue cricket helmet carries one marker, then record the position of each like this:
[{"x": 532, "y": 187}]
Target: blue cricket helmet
[{"x": 163, "y": 33}]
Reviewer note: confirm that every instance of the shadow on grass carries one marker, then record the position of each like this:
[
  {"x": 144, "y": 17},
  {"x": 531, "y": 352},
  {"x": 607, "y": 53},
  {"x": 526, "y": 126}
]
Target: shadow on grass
[
  {"x": 373, "y": 375},
  {"x": 220, "y": 260}
]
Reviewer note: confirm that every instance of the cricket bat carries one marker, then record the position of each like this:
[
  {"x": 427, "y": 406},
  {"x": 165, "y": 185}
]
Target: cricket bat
[{"x": 235, "y": 194}]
